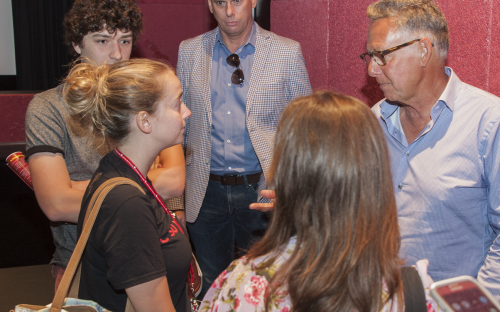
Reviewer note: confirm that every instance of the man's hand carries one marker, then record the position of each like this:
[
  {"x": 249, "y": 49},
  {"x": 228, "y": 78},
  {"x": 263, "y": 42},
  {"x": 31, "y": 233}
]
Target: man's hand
[
  {"x": 181, "y": 216},
  {"x": 168, "y": 172},
  {"x": 58, "y": 196},
  {"x": 264, "y": 207},
  {"x": 156, "y": 164}
]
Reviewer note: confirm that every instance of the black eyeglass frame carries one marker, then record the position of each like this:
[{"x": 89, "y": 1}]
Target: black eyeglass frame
[
  {"x": 382, "y": 54},
  {"x": 237, "y": 77}
]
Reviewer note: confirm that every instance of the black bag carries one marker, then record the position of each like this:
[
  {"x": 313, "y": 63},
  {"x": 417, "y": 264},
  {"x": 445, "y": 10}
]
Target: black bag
[{"x": 413, "y": 290}]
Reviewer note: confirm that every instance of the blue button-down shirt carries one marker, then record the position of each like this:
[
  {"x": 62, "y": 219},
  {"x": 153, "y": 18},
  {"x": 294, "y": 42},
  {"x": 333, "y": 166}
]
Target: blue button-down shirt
[
  {"x": 232, "y": 150},
  {"x": 447, "y": 183}
]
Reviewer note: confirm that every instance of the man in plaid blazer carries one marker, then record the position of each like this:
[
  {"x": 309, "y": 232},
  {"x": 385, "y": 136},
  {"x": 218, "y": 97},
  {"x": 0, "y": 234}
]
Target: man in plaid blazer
[{"x": 237, "y": 79}]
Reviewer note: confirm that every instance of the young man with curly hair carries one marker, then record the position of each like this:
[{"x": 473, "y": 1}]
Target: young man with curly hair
[
  {"x": 102, "y": 31},
  {"x": 62, "y": 155}
]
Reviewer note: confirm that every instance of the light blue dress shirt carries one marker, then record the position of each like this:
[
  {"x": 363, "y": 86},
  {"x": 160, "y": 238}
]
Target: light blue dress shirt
[
  {"x": 446, "y": 184},
  {"x": 232, "y": 151}
]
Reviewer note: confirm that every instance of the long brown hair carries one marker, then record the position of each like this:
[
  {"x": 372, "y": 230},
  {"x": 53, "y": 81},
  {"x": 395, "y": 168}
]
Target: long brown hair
[{"x": 334, "y": 192}]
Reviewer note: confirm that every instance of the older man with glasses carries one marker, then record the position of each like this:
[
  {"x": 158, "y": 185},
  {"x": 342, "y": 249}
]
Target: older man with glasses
[
  {"x": 444, "y": 140},
  {"x": 236, "y": 79}
]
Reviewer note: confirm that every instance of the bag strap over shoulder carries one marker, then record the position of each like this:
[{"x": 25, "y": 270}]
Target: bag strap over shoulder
[
  {"x": 74, "y": 263},
  {"x": 413, "y": 290}
]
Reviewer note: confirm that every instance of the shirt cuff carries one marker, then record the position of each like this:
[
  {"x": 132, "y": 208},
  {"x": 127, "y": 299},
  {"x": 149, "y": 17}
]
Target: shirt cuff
[{"x": 42, "y": 149}]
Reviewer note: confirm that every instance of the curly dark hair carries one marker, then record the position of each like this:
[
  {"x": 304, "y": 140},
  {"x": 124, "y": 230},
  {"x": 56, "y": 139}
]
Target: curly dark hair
[{"x": 89, "y": 16}]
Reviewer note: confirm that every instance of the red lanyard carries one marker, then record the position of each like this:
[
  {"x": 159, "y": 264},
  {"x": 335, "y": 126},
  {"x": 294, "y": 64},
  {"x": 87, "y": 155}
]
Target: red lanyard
[{"x": 149, "y": 186}]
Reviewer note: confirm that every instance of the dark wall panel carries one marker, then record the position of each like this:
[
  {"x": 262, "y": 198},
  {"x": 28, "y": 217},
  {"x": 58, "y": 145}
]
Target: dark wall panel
[
  {"x": 24, "y": 229},
  {"x": 38, "y": 35}
]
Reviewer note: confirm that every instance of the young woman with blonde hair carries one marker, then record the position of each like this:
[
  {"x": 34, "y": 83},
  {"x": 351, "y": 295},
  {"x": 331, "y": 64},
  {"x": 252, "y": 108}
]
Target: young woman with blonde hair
[{"x": 136, "y": 249}]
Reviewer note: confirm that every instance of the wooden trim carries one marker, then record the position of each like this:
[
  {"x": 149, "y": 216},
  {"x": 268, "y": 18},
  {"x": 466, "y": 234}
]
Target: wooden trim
[{"x": 10, "y": 147}]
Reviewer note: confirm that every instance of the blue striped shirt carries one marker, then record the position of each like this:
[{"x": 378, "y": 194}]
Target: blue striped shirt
[{"x": 446, "y": 184}]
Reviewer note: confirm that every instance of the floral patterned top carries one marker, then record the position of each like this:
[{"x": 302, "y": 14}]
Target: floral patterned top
[{"x": 241, "y": 287}]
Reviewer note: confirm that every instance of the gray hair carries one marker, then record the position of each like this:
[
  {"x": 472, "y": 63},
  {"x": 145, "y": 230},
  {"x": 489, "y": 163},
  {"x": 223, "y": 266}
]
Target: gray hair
[{"x": 419, "y": 17}]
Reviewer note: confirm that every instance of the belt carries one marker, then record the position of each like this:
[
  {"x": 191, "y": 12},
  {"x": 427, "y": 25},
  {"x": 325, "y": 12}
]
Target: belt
[{"x": 236, "y": 179}]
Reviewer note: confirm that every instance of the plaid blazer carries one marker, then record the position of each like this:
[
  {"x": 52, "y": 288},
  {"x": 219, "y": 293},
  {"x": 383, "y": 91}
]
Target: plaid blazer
[{"x": 278, "y": 76}]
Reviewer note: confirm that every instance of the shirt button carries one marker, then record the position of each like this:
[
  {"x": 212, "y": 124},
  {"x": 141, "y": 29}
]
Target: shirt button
[
  {"x": 407, "y": 153},
  {"x": 400, "y": 186},
  {"x": 228, "y": 141},
  {"x": 229, "y": 113},
  {"x": 228, "y": 84}
]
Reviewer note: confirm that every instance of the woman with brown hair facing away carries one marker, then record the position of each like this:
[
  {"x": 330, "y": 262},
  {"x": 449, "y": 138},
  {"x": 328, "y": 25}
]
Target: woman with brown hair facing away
[
  {"x": 333, "y": 241},
  {"x": 135, "y": 242}
]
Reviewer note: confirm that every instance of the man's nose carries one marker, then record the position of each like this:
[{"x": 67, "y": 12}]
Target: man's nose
[
  {"x": 186, "y": 112},
  {"x": 373, "y": 68},
  {"x": 229, "y": 9},
  {"x": 116, "y": 52}
]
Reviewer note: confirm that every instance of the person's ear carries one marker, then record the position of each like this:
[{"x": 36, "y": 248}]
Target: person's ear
[
  {"x": 77, "y": 48},
  {"x": 426, "y": 51},
  {"x": 143, "y": 122},
  {"x": 210, "y": 6}
]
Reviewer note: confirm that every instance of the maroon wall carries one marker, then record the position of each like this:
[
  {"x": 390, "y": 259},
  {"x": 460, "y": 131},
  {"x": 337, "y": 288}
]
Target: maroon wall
[
  {"x": 167, "y": 23},
  {"x": 333, "y": 35},
  {"x": 12, "y": 108}
]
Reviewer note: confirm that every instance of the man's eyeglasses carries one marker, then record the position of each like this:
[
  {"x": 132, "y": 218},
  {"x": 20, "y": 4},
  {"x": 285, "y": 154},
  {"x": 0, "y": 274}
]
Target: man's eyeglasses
[
  {"x": 378, "y": 56},
  {"x": 237, "y": 77}
]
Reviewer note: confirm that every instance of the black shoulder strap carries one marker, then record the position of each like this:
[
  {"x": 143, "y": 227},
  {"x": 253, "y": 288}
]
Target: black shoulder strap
[{"x": 413, "y": 290}]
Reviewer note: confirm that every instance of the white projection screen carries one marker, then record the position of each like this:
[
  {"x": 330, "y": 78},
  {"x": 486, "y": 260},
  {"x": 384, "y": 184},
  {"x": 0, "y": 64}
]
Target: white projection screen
[{"x": 7, "y": 53}]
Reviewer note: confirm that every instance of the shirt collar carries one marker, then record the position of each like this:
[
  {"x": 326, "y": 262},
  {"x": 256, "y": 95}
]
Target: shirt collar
[
  {"x": 252, "y": 38},
  {"x": 448, "y": 96},
  {"x": 450, "y": 93}
]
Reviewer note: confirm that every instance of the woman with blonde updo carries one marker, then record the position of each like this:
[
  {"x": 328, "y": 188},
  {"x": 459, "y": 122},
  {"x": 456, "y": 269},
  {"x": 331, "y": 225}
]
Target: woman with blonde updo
[{"x": 135, "y": 242}]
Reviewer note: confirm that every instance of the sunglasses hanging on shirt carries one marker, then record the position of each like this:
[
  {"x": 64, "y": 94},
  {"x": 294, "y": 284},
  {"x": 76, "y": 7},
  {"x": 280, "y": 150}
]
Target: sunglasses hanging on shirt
[{"x": 237, "y": 77}]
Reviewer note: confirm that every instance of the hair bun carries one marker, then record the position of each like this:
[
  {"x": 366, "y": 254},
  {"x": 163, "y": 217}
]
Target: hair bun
[
  {"x": 85, "y": 92},
  {"x": 107, "y": 97}
]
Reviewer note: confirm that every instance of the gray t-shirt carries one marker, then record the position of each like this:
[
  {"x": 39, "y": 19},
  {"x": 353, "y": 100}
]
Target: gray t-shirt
[{"x": 50, "y": 128}]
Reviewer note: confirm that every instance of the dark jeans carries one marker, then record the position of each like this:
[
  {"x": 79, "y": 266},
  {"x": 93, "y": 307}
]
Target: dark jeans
[{"x": 223, "y": 219}]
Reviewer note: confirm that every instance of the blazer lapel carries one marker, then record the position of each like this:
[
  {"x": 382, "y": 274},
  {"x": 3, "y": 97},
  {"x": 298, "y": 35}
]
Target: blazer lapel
[
  {"x": 204, "y": 70},
  {"x": 261, "y": 57}
]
